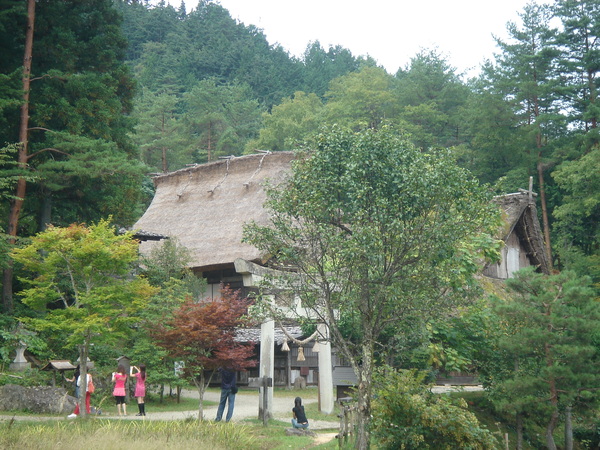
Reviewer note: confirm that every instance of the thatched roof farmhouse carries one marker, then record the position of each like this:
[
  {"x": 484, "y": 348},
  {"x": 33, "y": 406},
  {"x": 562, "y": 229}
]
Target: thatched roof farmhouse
[{"x": 206, "y": 206}]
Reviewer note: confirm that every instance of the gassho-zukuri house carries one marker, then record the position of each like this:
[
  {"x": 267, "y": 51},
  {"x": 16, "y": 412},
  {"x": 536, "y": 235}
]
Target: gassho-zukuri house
[{"x": 205, "y": 207}]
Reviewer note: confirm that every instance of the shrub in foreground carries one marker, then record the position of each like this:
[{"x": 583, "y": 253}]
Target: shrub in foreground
[{"x": 407, "y": 415}]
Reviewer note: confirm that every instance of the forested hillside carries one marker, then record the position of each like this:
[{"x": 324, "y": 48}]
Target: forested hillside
[{"x": 121, "y": 89}]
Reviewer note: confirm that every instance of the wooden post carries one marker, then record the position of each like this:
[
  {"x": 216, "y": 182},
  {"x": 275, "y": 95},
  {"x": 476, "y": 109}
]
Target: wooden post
[
  {"x": 530, "y": 192},
  {"x": 289, "y": 369},
  {"x": 263, "y": 383}
]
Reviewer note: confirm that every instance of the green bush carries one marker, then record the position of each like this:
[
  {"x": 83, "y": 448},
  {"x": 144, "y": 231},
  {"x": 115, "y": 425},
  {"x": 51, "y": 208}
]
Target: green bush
[
  {"x": 588, "y": 436},
  {"x": 407, "y": 415},
  {"x": 29, "y": 377}
]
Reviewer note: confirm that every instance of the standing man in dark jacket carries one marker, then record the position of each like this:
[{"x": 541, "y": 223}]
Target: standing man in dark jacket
[{"x": 228, "y": 391}]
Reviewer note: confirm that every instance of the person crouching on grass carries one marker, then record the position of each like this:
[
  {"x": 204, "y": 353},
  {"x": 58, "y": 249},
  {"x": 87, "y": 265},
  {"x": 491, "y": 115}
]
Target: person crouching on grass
[
  {"x": 299, "y": 420},
  {"x": 140, "y": 387}
]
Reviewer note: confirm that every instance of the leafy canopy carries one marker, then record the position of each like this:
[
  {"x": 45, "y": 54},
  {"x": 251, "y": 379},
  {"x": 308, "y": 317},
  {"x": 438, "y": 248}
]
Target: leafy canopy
[
  {"x": 377, "y": 234},
  {"x": 379, "y": 228},
  {"x": 203, "y": 334},
  {"x": 81, "y": 281}
]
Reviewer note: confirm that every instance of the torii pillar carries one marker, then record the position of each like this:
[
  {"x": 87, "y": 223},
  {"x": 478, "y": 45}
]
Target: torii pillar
[
  {"x": 252, "y": 275},
  {"x": 266, "y": 368},
  {"x": 325, "y": 370}
]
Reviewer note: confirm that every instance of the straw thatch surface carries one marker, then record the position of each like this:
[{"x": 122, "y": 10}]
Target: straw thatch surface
[
  {"x": 206, "y": 206},
  {"x": 520, "y": 217}
]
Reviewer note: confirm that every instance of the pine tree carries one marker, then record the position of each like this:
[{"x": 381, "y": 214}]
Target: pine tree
[{"x": 554, "y": 363}]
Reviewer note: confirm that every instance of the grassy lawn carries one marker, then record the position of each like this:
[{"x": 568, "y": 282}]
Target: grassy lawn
[
  {"x": 101, "y": 433},
  {"x": 149, "y": 435}
]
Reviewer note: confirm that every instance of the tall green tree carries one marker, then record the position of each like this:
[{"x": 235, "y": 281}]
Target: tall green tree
[
  {"x": 552, "y": 341},
  {"x": 525, "y": 74},
  {"x": 362, "y": 99},
  {"x": 220, "y": 118},
  {"x": 289, "y": 124},
  {"x": 321, "y": 66},
  {"x": 76, "y": 139},
  {"x": 578, "y": 215},
  {"x": 16, "y": 202},
  {"x": 495, "y": 142},
  {"x": 579, "y": 64},
  {"x": 160, "y": 132},
  {"x": 378, "y": 233},
  {"x": 80, "y": 281},
  {"x": 432, "y": 95}
]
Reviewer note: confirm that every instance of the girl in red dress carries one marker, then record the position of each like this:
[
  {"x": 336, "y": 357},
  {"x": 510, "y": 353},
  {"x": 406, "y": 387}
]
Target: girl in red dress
[
  {"x": 119, "y": 378},
  {"x": 140, "y": 387}
]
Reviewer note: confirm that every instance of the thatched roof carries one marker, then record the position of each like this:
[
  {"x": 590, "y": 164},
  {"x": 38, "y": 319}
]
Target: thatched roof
[
  {"x": 206, "y": 206},
  {"x": 520, "y": 217}
]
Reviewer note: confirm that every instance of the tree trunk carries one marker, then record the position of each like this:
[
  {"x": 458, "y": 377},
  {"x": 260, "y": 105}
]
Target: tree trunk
[
  {"x": 553, "y": 400},
  {"x": 17, "y": 203},
  {"x": 545, "y": 221},
  {"x": 83, "y": 357},
  {"x": 164, "y": 159},
  {"x": 591, "y": 77},
  {"x": 519, "y": 431},
  {"x": 164, "y": 148},
  {"x": 550, "y": 430},
  {"x": 568, "y": 429},
  {"x": 209, "y": 144},
  {"x": 45, "y": 210},
  {"x": 199, "y": 382},
  {"x": 364, "y": 397}
]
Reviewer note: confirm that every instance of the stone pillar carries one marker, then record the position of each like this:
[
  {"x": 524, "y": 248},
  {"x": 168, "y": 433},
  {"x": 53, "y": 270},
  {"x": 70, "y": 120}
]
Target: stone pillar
[
  {"x": 325, "y": 370},
  {"x": 20, "y": 363},
  {"x": 267, "y": 367}
]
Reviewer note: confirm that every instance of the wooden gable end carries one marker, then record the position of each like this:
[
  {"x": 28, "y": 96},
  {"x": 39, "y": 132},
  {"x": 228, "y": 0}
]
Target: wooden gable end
[{"x": 523, "y": 241}]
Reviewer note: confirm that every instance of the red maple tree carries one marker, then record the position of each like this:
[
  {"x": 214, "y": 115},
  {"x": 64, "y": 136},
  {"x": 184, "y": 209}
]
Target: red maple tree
[{"x": 202, "y": 336}]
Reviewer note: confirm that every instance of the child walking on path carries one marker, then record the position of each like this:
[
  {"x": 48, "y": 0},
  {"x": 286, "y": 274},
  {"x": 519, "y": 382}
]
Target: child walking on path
[
  {"x": 119, "y": 378},
  {"x": 299, "y": 420},
  {"x": 140, "y": 387}
]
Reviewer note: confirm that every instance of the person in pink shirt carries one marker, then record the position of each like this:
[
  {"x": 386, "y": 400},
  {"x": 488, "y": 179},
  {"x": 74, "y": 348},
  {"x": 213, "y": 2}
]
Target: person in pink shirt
[
  {"x": 140, "y": 387},
  {"x": 119, "y": 378}
]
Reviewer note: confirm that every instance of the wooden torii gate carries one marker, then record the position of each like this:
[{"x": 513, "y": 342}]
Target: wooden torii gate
[{"x": 252, "y": 275}]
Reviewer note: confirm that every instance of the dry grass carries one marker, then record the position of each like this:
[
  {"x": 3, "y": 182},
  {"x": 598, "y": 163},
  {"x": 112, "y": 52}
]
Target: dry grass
[{"x": 109, "y": 435}]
